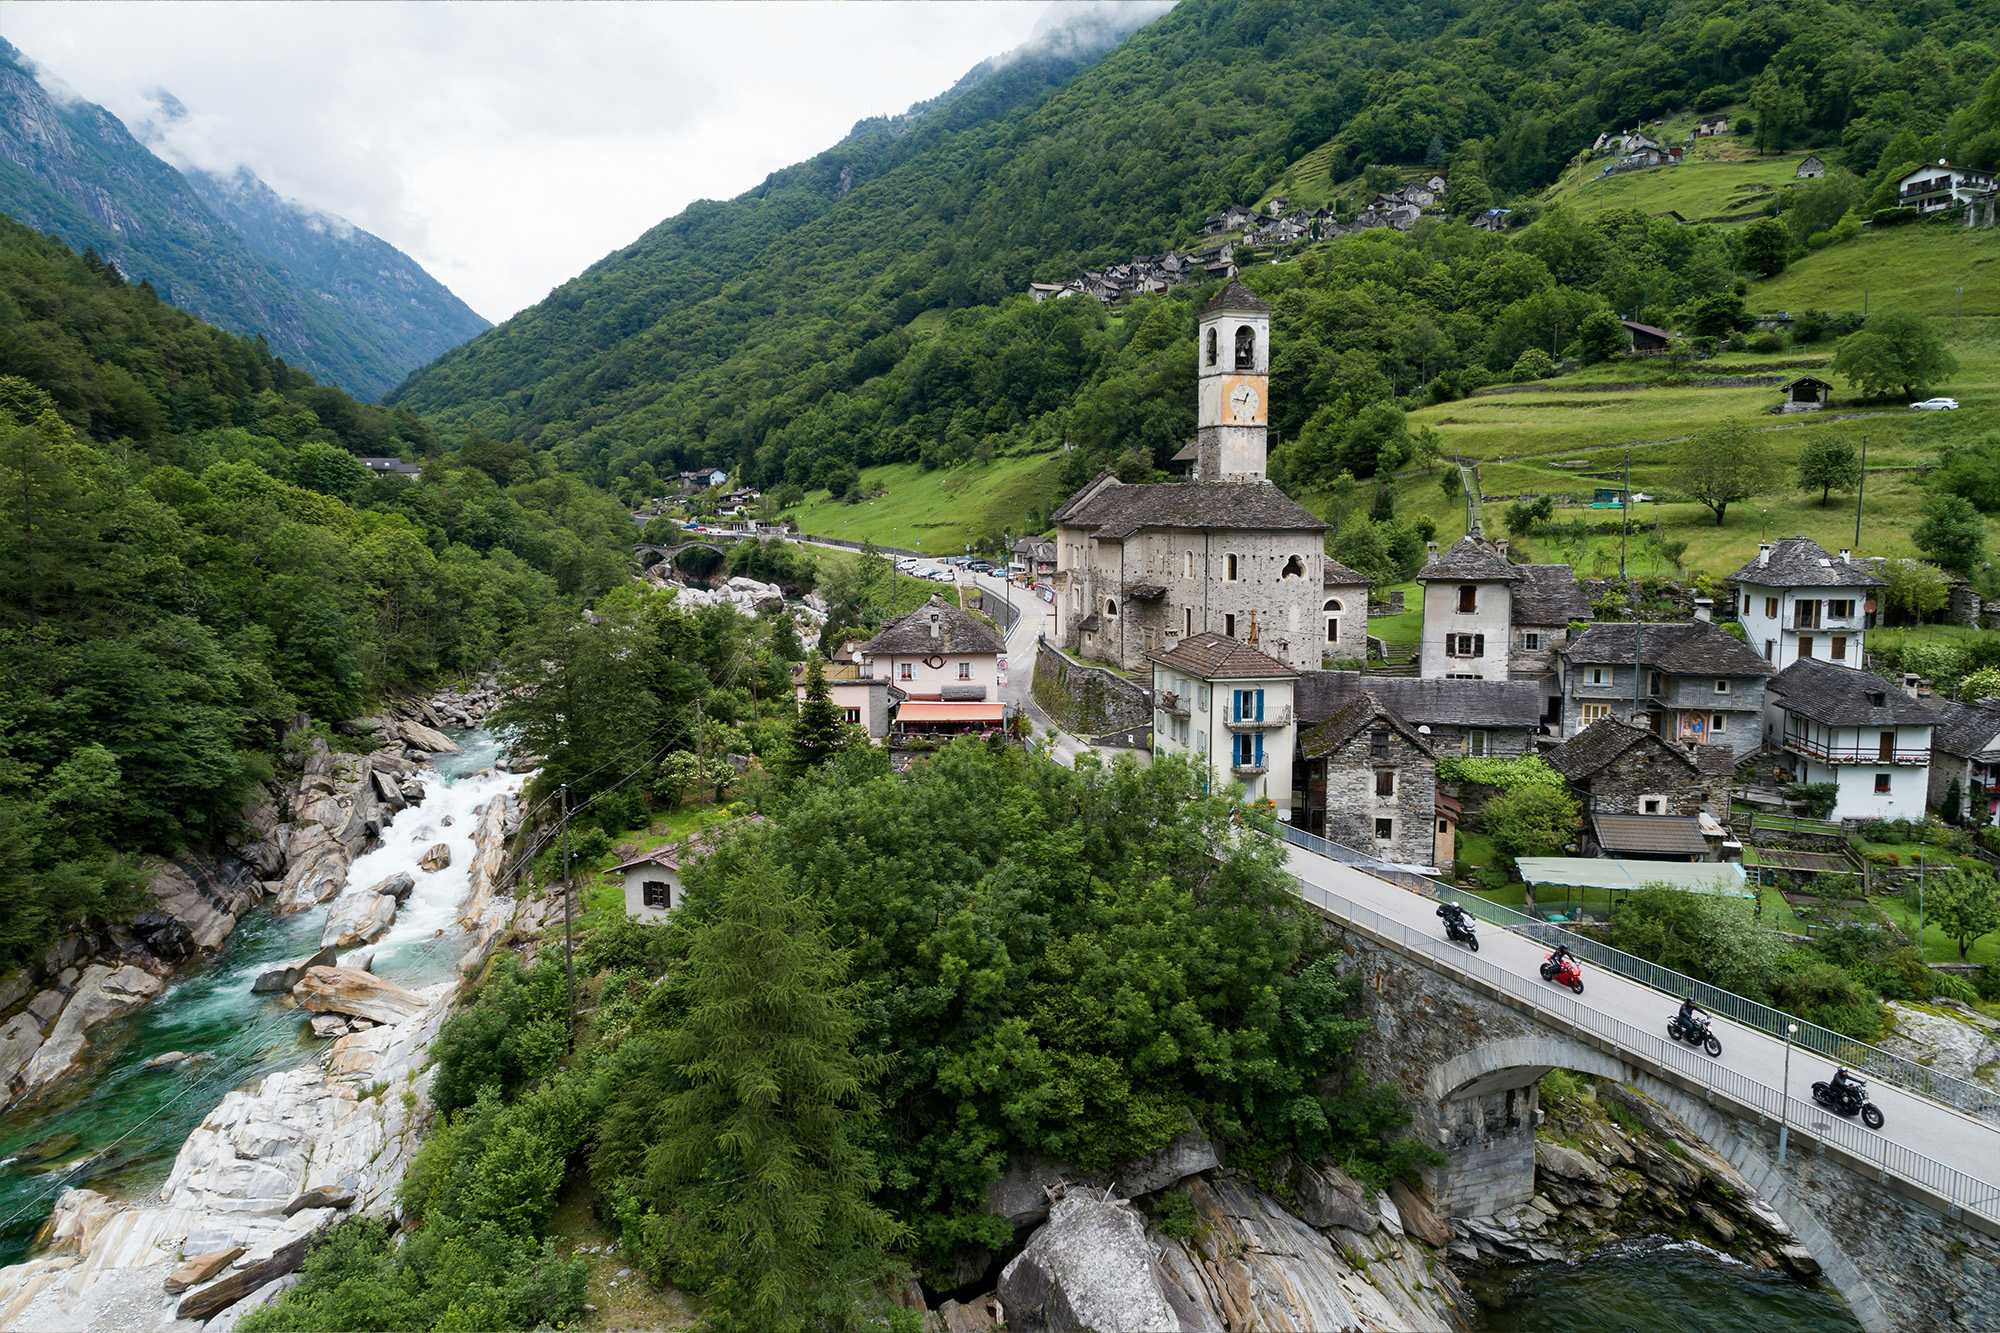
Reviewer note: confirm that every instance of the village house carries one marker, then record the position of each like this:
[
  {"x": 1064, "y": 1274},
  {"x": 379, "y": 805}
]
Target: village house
[
  {"x": 1811, "y": 169},
  {"x": 1851, "y": 728},
  {"x": 1500, "y": 718},
  {"x": 1032, "y": 557},
  {"x": 865, "y": 699},
  {"x": 1344, "y": 612},
  {"x": 1965, "y": 749},
  {"x": 1644, "y": 339},
  {"x": 1710, "y": 126},
  {"x": 1487, "y": 619},
  {"x": 1686, "y": 681},
  {"x": 1795, "y": 600},
  {"x": 391, "y": 467},
  {"x": 1616, "y": 768},
  {"x": 1370, "y": 782},
  {"x": 1933, "y": 189},
  {"x": 1228, "y": 708},
  {"x": 939, "y": 654},
  {"x": 1807, "y": 393},
  {"x": 1142, "y": 567},
  {"x": 1494, "y": 219},
  {"x": 703, "y": 478},
  {"x": 653, "y": 881}
]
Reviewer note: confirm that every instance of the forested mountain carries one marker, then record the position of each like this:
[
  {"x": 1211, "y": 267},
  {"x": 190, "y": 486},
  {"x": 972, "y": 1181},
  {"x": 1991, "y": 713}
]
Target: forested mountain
[
  {"x": 192, "y": 554},
  {"x": 327, "y": 296},
  {"x": 794, "y": 330}
]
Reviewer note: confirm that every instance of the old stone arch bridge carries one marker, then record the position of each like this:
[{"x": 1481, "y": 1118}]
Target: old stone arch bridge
[{"x": 1905, "y": 1222}]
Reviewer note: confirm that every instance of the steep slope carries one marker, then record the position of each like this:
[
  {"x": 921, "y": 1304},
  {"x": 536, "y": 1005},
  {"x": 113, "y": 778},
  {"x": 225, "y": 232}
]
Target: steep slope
[{"x": 251, "y": 265}]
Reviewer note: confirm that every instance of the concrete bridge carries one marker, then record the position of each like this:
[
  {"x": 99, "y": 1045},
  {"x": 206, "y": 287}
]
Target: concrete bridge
[{"x": 1909, "y": 1235}]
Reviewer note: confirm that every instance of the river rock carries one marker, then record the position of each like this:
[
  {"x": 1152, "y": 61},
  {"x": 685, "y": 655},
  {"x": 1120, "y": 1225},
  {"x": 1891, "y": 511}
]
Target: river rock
[
  {"x": 1328, "y": 1197},
  {"x": 1089, "y": 1266},
  {"x": 20, "y": 1038},
  {"x": 982, "y": 1314},
  {"x": 1567, "y": 1163},
  {"x": 102, "y": 992},
  {"x": 206, "y": 899},
  {"x": 1419, "y": 1219},
  {"x": 342, "y": 990},
  {"x": 1717, "y": 1223},
  {"x": 193, "y": 1272},
  {"x": 436, "y": 857},
  {"x": 48, "y": 1149},
  {"x": 398, "y": 886},
  {"x": 329, "y": 1025},
  {"x": 283, "y": 976},
  {"x": 420, "y": 737},
  {"x": 321, "y": 1196},
  {"x": 1021, "y": 1195},
  {"x": 219, "y": 1296},
  {"x": 357, "y": 919},
  {"x": 1959, "y": 1041},
  {"x": 167, "y": 1059},
  {"x": 520, "y": 763}
]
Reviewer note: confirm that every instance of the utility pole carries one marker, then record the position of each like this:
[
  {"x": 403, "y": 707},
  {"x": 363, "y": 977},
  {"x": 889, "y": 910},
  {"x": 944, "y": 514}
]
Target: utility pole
[
  {"x": 1785, "y": 1095},
  {"x": 569, "y": 934},
  {"x": 1920, "y": 906},
  {"x": 1632, "y": 594},
  {"x": 1860, "y": 493}
]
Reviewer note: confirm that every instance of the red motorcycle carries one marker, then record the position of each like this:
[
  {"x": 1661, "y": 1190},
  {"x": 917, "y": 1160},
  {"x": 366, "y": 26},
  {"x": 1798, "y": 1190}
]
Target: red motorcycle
[{"x": 1560, "y": 967}]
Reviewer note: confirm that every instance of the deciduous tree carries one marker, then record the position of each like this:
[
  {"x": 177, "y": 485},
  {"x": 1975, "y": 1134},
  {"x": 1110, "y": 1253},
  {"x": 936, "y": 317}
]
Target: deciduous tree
[
  {"x": 1827, "y": 465},
  {"x": 1723, "y": 465}
]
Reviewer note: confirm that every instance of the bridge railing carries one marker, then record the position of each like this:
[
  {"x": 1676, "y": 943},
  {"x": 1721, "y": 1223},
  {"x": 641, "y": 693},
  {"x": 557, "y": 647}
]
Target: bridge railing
[
  {"x": 1959, "y": 1094},
  {"x": 1947, "y": 1183}
]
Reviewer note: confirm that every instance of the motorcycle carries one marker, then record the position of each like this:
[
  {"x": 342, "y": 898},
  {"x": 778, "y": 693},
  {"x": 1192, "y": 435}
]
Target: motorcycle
[
  {"x": 1849, "y": 1099},
  {"x": 1695, "y": 1033},
  {"x": 1563, "y": 971},
  {"x": 1459, "y": 928}
]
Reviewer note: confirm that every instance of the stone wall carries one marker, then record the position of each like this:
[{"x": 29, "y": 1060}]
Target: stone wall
[
  {"x": 1352, "y": 807},
  {"x": 1087, "y": 700},
  {"x": 1649, "y": 770}
]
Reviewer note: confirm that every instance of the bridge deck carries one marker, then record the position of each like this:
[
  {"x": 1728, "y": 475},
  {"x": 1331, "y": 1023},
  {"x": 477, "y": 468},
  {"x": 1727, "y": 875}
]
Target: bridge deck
[{"x": 1948, "y": 1154}]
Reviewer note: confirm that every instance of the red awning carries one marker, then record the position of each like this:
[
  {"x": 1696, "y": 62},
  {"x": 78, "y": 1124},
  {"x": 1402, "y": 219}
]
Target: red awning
[{"x": 924, "y": 711}]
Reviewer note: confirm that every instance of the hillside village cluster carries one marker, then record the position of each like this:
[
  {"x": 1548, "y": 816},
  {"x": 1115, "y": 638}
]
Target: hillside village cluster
[{"x": 1218, "y": 590}]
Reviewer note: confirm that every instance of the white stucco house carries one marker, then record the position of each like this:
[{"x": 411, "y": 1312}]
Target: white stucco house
[
  {"x": 1468, "y": 613},
  {"x": 937, "y": 652},
  {"x": 1851, "y": 728},
  {"x": 653, "y": 880},
  {"x": 1227, "y": 706},
  {"x": 867, "y": 700},
  {"x": 1795, "y": 600}
]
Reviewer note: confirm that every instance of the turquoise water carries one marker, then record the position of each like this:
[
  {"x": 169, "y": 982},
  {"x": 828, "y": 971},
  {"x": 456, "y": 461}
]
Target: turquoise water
[
  {"x": 118, "y": 1125},
  {"x": 1649, "y": 1285}
]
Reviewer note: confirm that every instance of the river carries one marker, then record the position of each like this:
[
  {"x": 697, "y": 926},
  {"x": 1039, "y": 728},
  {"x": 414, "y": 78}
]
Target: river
[
  {"x": 1641, "y": 1286},
  {"x": 118, "y": 1125}
]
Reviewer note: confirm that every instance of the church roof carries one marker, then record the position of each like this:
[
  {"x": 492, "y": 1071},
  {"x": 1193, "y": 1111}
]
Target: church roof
[
  {"x": 1238, "y": 299},
  {"x": 1117, "y": 510}
]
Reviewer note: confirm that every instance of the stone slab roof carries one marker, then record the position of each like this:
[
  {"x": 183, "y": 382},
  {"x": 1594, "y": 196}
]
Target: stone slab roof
[
  {"x": 1801, "y": 562},
  {"x": 1238, "y": 299},
  {"x": 1670, "y": 834},
  {"x": 1337, "y": 575},
  {"x": 1117, "y": 510},
  {"x": 1839, "y": 696},
  {"x": 1358, "y": 714},
  {"x": 1602, "y": 744},
  {"x": 1965, "y": 729},
  {"x": 1213, "y": 656},
  {"x": 958, "y": 634},
  {"x": 1471, "y": 560},
  {"x": 1689, "y": 647},
  {"x": 1424, "y": 702},
  {"x": 1548, "y": 595}
]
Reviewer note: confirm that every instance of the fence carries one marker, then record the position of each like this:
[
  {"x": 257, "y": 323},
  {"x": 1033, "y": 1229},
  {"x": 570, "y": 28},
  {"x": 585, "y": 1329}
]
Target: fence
[
  {"x": 1960, "y": 1095},
  {"x": 1948, "y": 1183}
]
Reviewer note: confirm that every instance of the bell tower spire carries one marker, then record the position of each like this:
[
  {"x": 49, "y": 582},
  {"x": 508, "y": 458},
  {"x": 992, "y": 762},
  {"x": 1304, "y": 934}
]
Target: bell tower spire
[{"x": 1234, "y": 370}]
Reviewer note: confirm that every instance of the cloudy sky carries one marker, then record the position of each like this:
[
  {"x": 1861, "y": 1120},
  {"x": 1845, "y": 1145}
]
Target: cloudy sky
[{"x": 507, "y": 147}]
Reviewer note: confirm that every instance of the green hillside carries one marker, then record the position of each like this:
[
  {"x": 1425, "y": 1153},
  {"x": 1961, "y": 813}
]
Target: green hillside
[{"x": 774, "y": 332}]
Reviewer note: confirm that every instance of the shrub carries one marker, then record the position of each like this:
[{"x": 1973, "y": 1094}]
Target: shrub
[
  {"x": 1951, "y": 986},
  {"x": 1818, "y": 798},
  {"x": 1532, "y": 364},
  {"x": 1826, "y": 994},
  {"x": 1174, "y": 1216},
  {"x": 514, "y": 1031},
  {"x": 1986, "y": 982},
  {"x": 1768, "y": 341}
]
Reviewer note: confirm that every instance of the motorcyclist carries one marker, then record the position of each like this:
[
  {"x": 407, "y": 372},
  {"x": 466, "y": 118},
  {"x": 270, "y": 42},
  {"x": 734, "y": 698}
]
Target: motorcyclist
[
  {"x": 1453, "y": 914},
  {"x": 1691, "y": 1018},
  {"x": 1561, "y": 955},
  {"x": 1845, "y": 1084}
]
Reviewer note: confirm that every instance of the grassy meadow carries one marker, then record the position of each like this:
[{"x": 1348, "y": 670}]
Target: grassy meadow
[{"x": 938, "y": 512}]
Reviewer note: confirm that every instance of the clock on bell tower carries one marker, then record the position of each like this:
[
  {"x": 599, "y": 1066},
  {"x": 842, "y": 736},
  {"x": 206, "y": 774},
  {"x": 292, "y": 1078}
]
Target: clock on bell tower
[{"x": 1234, "y": 373}]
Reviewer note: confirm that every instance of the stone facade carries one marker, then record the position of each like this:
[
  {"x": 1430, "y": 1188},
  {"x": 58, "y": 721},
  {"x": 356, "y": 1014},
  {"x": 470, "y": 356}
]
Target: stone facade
[
  {"x": 1345, "y": 802},
  {"x": 1593, "y": 692},
  {"x": 1344, "y": 622}
]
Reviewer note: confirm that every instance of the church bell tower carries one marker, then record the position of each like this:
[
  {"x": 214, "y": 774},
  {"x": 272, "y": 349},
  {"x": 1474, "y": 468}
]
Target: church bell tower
[{"x": 1234, "y": 367}]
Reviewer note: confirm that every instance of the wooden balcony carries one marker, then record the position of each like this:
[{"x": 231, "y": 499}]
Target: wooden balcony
[{"x": 1857, "y": 754}]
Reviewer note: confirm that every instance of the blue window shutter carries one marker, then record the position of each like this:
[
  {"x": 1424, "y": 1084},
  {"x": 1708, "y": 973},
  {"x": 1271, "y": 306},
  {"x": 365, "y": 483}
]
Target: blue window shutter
[
  {"x": 1260, "y": 705},
  {"x": 1260, "y": 744}
]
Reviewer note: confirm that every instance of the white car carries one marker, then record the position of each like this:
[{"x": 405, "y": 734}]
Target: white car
[{"x": 1935, "y": 405}]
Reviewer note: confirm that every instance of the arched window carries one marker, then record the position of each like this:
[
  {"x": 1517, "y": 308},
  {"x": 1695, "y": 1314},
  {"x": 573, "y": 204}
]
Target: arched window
[
  {"x": 1295, "y": 568},
  {"x": 1211, "y": 347},
  {"x": 1246, "y": 348},
  {"x": 1110, "y": 607},
  {"x": 1332, "y": 610}
]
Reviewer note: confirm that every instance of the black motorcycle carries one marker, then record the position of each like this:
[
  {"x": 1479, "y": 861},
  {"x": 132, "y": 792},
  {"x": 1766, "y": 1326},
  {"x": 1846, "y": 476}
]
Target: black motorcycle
[
  {"x": 1694, "y": 1032},
  {"x": 1458, "y": 927},
  {"x": 1848, "y": 1098}
]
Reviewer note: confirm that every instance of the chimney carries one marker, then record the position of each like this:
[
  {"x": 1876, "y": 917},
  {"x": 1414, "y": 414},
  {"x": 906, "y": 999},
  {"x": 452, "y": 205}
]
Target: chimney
[
  {"x": 1501, "y": 547},
  {"x": 1431, "y": 549},
  {"x": 1704, "y": 609},
  {"x": 937, "y": 624},
  {"x": 1910, "y": 684},
  {"x": 1763, "y": 554}
]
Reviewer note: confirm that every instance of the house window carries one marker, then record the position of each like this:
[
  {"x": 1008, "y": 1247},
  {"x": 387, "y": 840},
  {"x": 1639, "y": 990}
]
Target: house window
[
  {"x": 1212, "y": 349},
  {"x": 1378, "y": 743},
  {"x": 1468, "y": 597},
  {"x": 1385, "y": 830},
  {"x": 1444, "y": 827},
  {"x": 965, "y": 671},
  {"x": 1771, "y": 608},
  {"x": 1593, "y": 713},
  {"x": 1295, "y": 568},
  {"x": 1770, "y": 650},
  {"x": 903, "y": 671},
  {"x": 1718, "y": 723},
  {"x": 1475, "y": 743},
  {"x": 656, "y": 894},
  {"x": 1881, "y": 784},
  {"x": 1465, "y": 645},
  {"x": 1658, "y": 683},
  {"x": 1201, "y": 697},
  {"x": 1187, "y": 557},
  {"x": 1229, "y": 568},
  {"x": 1805, "y": 645},
  {"x": 1187, "y": 620},
  {"x": 1841, "y": 608},
  {"x": 1721, "y": 686},
  {"x": 1111, "y": 607},
  {"x": 1333, "y": 610},
  {"x": 853, "y": 715},
  {"x": 1246, "y": 348},
  {"x": 1651, "y": 805},
  {"x": 1249, "y": 705},
  {"x": 1836, "y": 647},
  {"x": 1531, "y": 640},
  {"x": 1600, "y": 675},
  {"x": 1229, "y": 620},
  {"x": 1385, "y": 782}
]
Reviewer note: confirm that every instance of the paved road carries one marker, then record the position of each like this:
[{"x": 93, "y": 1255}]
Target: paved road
[
  {"x": 1034, "y": 618},
  {"x": 1957, "y": 1140}
]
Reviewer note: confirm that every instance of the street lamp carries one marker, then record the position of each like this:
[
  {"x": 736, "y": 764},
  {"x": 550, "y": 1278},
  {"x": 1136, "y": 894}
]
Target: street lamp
[{"x": 1785, "y": 1094}]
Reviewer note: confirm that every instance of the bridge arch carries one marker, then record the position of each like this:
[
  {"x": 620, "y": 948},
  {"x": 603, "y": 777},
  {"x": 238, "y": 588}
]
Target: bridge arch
[{"x": 650, "y": 554}]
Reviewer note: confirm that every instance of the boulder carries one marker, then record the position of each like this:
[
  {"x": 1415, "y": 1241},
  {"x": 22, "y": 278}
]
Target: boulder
[
  {"x": 1328, "y": 1197},
  {"x": 398, "y": 886},
  {"x": 283, "y": 976},
  {"x": 1021, "y": 1195},
  {"x": 411, "y": 791},
  {"x": 227, "y": 1321},
  {"x": 20, "y": 1038},
  {"x": 1567, "y": 1163},
  {"x": 420, "y": 737},
  {"x": 218, "y": 1296},
  {"x": 1089, "y": 1266},
  {"x": 388, "y": 789},
  {"x": 200, "y": 1268},
  {"x": 102, "y": 993},
  {"x": 436, "y": 857},
  {"x": 329, "y": 1025},
  {"x": 520, "y": 763},
  {"x": 1799, "y": 1260},
  {"x": 321, "y": 1196},
  {"x": 982, "y": 1314},
  {"x": 168, "y": 1059},
  {"x": 358, "y": 919},
  {"x": 1717, "y": 1223},
  {"x": 1189, "y": 1153},
  {"x": 1419, "y": 1219},
  {"x": 343, "y": 990}
]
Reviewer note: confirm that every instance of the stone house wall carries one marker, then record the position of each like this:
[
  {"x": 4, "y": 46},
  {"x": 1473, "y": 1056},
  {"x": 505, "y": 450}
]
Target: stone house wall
[{"x": 1352, "y": 807}]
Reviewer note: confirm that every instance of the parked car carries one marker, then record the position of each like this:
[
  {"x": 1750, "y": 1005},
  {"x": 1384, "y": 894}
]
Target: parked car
[{"x": 1935, "y": 405}]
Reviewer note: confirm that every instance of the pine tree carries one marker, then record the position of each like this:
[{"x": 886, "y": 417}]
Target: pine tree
[
  {"x": 819, "y": 733},
  {"x": 758, "y": 1164}
]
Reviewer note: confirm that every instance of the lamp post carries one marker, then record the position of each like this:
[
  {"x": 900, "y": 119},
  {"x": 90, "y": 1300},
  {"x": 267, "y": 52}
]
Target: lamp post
[{"x": 1785, "y": 1094}]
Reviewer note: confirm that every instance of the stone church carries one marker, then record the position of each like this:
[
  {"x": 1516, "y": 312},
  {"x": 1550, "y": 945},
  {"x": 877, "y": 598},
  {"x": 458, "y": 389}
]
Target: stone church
[{"x": 1141, "y": 568}]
